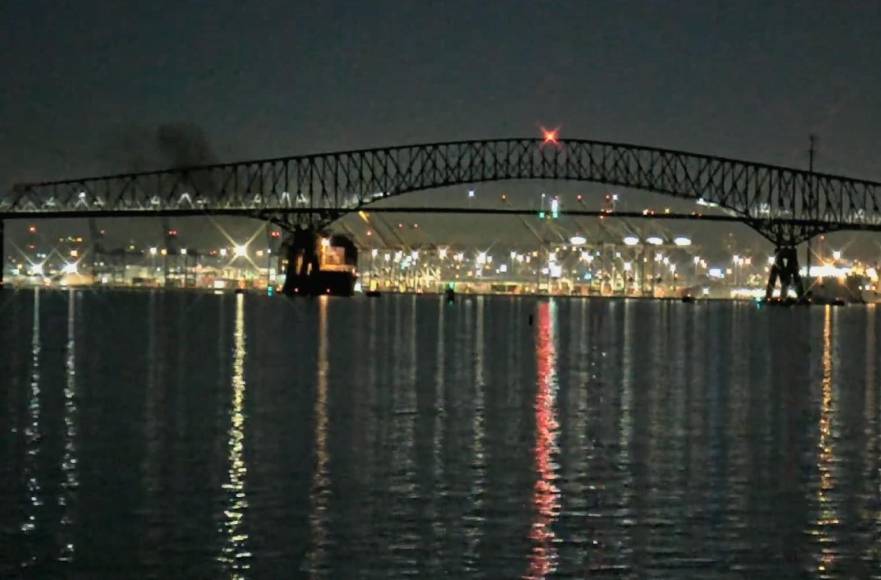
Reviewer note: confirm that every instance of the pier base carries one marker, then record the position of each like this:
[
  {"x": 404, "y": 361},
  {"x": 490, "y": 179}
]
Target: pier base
[
  {"x": 303, "y": 264},
  {"x": 785, "y": 269}
]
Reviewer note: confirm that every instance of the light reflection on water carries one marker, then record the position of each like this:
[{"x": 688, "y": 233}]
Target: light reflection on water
[
  {"x": 182, "y": 435},
  {"x": 235, "y": 553},
  {"x": 70, "y": 483},
  {"x": 546, "y": 496}
]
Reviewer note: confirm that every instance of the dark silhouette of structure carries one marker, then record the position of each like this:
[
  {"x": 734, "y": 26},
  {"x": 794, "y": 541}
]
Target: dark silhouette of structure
[{"x": 308, "y": 192}]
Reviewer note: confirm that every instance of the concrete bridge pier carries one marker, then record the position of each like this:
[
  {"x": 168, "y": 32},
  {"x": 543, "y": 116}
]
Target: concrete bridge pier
[
  {"x": 785, "y": 269},
  {"x": 301, "y": 248}
]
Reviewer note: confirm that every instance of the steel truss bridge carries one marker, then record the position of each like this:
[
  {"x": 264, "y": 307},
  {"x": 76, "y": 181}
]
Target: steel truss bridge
[{"x": 787, "y": 206}]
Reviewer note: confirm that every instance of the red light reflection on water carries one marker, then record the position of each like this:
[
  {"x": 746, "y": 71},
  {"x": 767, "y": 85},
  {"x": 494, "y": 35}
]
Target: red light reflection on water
[{"x": 546, "y": 495}]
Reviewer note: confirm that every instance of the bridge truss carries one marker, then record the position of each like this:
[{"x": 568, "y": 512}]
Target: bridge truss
[{"x": 786, "y": 205}]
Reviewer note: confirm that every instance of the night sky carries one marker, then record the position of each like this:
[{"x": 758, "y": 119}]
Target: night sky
[{"x": 741, "y": 79}]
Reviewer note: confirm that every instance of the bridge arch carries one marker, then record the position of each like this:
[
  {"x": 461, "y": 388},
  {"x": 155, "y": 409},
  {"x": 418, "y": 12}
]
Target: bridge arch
[{"x": 786, "y": 205}]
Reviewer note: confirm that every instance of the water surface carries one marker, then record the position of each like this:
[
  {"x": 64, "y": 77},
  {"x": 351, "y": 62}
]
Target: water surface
[{"x": 192, "y": 435}]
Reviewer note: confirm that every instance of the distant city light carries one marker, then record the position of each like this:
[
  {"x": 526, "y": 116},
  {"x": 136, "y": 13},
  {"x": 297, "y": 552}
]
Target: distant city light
[
  {"x": 577, "y": 240},
  {"x": 442, "y": 253},
  {"x": 705, "y": 203},
  {"x": 470, "y": 193},
  {"x": 481, "y": 258},
  {"x": 69, "y": 268},
  {"x": 223, "y": 252},
  {"x": 631, "y": 240},
  {"x": 682, "y": 241},
  {"x": 37, "y": 269},
  {"x": 183, "y": 251},
  {"x": 715, "y": 273},
  {"x": 154, "y": 251},
  {"x": 373, "y": 252}
]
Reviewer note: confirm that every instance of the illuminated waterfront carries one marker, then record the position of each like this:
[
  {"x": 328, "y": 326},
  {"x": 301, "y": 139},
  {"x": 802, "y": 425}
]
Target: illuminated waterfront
[
  {"x": 566, "y": 257},
  {"x": 162, "y": 434}
]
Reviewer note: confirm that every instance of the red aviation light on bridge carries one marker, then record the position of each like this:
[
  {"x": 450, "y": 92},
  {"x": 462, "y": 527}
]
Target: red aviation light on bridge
[{"x": 551, "y": 136}]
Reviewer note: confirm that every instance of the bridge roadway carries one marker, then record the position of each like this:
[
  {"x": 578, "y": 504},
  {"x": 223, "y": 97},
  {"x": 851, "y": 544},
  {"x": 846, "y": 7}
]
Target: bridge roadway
[{"x": 788, "y": 206}]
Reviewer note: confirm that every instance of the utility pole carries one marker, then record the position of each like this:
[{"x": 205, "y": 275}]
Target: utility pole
[{"x": 813, "y": 198}]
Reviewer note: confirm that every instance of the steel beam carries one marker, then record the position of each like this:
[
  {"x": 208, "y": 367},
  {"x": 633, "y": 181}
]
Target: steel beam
[{"x": 784, "y": 204}]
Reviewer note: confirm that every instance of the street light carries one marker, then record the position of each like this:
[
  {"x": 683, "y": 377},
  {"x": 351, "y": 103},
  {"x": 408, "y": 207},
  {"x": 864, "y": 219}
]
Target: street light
[{"x": 241, "y": 250}]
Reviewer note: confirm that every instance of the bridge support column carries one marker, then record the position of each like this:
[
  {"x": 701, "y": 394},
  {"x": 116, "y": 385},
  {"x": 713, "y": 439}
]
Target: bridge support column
[
  {"x": 303, "y": 265},
  {"x": 2, "y": 253},
  {"x": 785, "y": 269}
]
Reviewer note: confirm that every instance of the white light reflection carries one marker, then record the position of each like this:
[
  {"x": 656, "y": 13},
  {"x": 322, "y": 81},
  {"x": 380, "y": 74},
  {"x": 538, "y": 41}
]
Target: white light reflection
[
  {"x": 235, "y": 555},
  {"x": 546, "y": 495},
  {"x": 478, "y": 461},
  {"x": 319, "y": 494},
  {"x": 32, "y": 432},
  {"x": 438, "y": 435},
  {"x": 827, "y": 517},
  {"x": 70, "y": 482}
]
